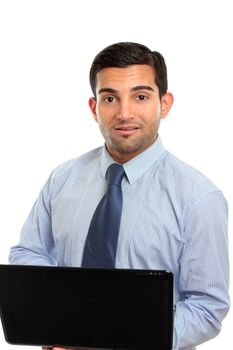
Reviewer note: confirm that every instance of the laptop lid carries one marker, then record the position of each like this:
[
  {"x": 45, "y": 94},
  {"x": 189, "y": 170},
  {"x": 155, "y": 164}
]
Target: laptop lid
[{"x": 93, "y": 308}]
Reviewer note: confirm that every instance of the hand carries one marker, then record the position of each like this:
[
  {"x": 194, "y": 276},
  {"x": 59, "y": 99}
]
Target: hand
[{"x": 56, "y": 348}]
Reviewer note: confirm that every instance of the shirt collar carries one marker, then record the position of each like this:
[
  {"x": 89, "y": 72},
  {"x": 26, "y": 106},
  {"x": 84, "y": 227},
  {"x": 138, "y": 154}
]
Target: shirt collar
[{"x": 138, "y": 165}]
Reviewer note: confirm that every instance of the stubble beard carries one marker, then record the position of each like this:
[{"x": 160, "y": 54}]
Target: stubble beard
[{"x": 128, "y": 145}]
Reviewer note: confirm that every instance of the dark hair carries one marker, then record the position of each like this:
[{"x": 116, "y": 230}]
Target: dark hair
[{"x": 124, "y": 54}]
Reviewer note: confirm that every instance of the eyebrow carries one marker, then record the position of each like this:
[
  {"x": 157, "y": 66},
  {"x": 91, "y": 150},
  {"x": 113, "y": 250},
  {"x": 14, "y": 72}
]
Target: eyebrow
[
  {"x": 135, "y": 88},
  {"x": 142, "y": 87},
  {"x": 110, "y": 90}
]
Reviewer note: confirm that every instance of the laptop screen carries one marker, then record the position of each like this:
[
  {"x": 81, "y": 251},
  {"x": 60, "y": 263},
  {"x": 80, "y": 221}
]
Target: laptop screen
[{"x": 93, "y": 308}]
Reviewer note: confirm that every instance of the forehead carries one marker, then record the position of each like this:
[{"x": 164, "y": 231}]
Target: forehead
[{"x": 120, "y": 78}]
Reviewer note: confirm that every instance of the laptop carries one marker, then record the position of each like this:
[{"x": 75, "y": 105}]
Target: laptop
[{"x": 89, "y": 308}]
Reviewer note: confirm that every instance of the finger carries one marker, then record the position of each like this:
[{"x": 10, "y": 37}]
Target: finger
[{"x": 56, "y": 348}]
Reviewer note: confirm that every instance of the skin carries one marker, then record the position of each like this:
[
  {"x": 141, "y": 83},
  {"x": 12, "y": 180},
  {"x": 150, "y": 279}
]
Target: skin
[
  {"x": 128, "y": 110},
  {"x": 56, "y": 348}
]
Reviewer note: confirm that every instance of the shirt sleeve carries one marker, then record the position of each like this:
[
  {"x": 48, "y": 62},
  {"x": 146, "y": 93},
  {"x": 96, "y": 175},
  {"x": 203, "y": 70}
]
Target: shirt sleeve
[
  {"x": 36, "y": 246},
  {"x": 204, "y": 273}
]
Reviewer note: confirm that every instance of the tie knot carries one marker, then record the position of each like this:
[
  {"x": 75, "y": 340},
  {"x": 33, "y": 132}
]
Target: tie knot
[{"x": 115, "y": 174}]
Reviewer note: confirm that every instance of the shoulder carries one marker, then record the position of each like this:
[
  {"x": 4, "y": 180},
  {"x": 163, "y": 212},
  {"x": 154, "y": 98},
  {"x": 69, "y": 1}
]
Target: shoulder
[
  {"x": 77, "y": 164},
  {"x": 188, "y": 189},
  {"x": 185, "y": 186},
  {"x": 70, "y": 171},
  {"x": 185, "y": 175}
]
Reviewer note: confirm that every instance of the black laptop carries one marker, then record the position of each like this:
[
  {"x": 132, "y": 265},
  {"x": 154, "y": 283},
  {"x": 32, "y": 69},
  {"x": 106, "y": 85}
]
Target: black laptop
[{"x": 90, "y": 308}]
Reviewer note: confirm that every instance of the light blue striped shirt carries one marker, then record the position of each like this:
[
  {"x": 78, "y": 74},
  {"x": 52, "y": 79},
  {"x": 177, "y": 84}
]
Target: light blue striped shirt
[{"x": 173, "y": 218}]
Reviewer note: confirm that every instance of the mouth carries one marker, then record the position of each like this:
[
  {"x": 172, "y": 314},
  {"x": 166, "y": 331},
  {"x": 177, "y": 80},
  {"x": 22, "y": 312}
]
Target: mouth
[{"x": 126, "y": 129}]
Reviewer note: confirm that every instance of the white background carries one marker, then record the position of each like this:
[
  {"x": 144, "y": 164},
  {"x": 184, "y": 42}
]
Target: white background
[{"x": 46, "y": 49}]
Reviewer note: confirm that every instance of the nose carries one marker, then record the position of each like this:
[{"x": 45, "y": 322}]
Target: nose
[{"x": 125, "y": 111}]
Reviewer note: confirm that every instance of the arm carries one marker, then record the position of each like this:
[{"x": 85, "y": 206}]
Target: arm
[
  {"x": 204, "y": 274},
  {"x": 36, "y": 245}
]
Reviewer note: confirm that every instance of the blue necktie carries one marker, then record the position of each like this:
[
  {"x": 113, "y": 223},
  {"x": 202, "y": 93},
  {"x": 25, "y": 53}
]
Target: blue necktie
[{"x": 101, "y": 243}]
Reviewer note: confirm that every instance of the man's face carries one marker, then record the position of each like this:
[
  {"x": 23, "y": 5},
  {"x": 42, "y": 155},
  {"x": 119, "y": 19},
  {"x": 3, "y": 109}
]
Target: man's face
[{"x": 128, "y": 109}]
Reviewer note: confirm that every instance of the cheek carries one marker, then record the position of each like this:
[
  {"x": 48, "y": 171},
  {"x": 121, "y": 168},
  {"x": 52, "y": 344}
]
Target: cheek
[
  {"x": 103, "y": 123},
  {"x": 156, "y": 111},
  {"x": 151, "y": 116},
  {"x": 104, "y": 117}
]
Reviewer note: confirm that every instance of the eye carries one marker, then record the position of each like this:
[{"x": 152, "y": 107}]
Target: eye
[
  {"x": 141, "y": 98},
  {"x": 109, "y": 99}
]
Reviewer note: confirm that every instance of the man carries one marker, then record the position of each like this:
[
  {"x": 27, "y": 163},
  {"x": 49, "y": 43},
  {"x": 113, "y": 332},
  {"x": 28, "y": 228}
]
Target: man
[{"x": 173, "y": 218}]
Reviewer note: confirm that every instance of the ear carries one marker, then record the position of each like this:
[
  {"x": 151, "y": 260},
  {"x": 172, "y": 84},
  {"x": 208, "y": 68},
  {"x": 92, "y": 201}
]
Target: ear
[
  {"x": 166, "y": 104},
  {"x": 92, "y": 105}
]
